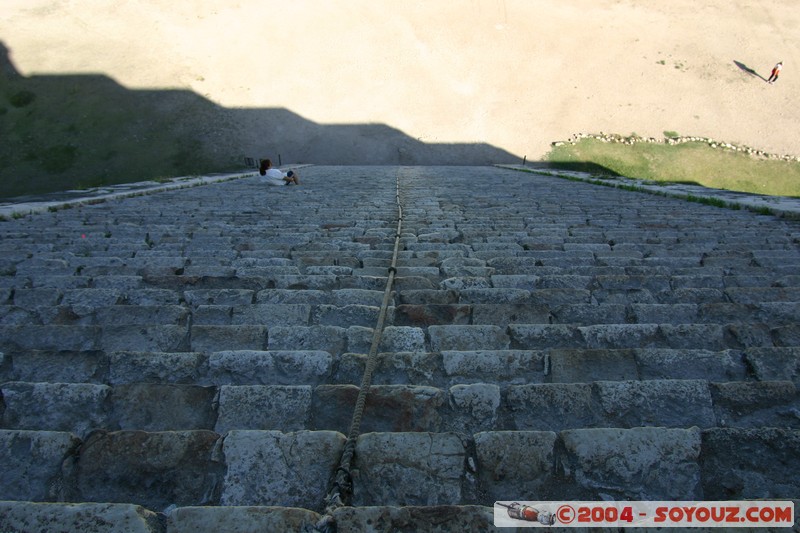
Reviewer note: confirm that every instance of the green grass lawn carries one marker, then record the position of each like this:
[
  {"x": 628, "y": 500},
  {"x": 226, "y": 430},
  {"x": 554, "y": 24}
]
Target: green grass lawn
[{"x": 693, "y": 162}]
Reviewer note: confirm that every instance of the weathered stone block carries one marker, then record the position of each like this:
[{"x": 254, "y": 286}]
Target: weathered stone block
[
  {"x": 671, "y": 403},
  {"x": 616, "y": 336},
  {"x": 154, "y": 470},
  {"x": 474, "y": 408},
  {"x": 71, "y": 407},
  {"x": 515, "y": 462},
  {"x": 251, "y": 367},
  {"x": 258, "y": 407},
  {"x": 466, "y": 338},
  {"x": 408, "y": 469},
  {"x": 431, "y": 519},
  {"x": 552, "y": 406},
  {"x": 750, "y": 463},
  {"x": 757, "y": 404},
  {"x": 775, "y": 364},
  {"x": 24, "y": 517},
  {"x": 331, "y": 339},
  {"x": 163, "y": 407},
  {"x": 241, "y": 519},
  {"x": 507, "y": 366},
  {"x": 636, "y": 464},
  {"x": 220, "y": 338},
  {"x": 156, "y": 367},
  {"x": 31, "y": 461},
  {"x": 145, "y": 338},
  {"x": 282, "y": 469},
  {"x": 727, "y": 365},
  {"x": 586, "y": 366},
  {"x": 543, "y": 336}
]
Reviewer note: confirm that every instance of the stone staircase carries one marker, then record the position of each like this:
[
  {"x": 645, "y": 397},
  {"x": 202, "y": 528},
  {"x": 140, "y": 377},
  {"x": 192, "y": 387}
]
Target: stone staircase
[{"x": 189, "y": 361}]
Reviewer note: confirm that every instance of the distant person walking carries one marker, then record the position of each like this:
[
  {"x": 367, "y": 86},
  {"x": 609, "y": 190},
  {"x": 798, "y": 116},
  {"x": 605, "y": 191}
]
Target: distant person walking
[
  {"x": 776, "y": 70},
  {"x": 273, "y": 176}
]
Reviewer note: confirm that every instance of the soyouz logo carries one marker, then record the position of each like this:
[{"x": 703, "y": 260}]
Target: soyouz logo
[{"x": 753, "y": 513}]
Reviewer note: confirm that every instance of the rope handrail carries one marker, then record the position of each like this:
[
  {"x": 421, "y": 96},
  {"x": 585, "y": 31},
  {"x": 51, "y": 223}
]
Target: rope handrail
[{"x": 342, "y": 485}]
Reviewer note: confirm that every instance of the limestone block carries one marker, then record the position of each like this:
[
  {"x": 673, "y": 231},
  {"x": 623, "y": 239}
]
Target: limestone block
[
  {"x": 141, "y": 315},
  {"x": 152, "y": 297},
  {"x": 465, "y": 338},
  {"x": 280, "y": 407},
  {"x": 503, "y": 314},
  {"x": 322, "y": 282},
  {"x": 637, "y": 464},
  {"x": 279, "y": 367},
  {"x": 408, "y": 469},
  {"x": 727, "y": 365},
  {"x": 757, "y": 404},
  {"x": 387, "y": 408},
  {"x": 516, "y": 281},
  {"x": 748, "y": 336},
  {"x": 241, "y": 519},
  {"x": 433, "y": 519},
  {"x": 296, "y": 296},
  {"x": 282, "y": 469},
  {"x": 615, "y": 336},
  {"x": 434, "y": 314},
  {"x": 86, "y": 301},
  {"x": 56, "y": 367},
  {"x": 586, "y": 366},
  {"x": 775, "y": 363},
  {"x": 156, "y": 367},
  {"x": 560, "y": 296},
  {"x": 31, "y": 461},
  {"x": 465, "y": 282},
  {"x": 230, "y": 297},
  {"x": 219, "y": 338},
  {"x": 71, "y": 407},
  {"x": 543, "y": 336},
  {"x": 154, "y": 470},
  {"x": 671, "y": 403},
  {"x": 49, "y": 338},
  {"x": 272, "y": 315},
  {"x": 506, "y": 366},
  {"x": 750, "y": 463},
  {"x": 428, "y": 297},
  {"x": 495, "y": 296},
  {"x": 511, "y": 463},
  {"x": 452, "y": 267},
  {"x": 331, "y": 339},
  {"x": 170, "y": 338},
  {"x": 343, "y": 297},
  {"x": 37, "y": 297},
  {"x": 23, "y": 517},
  {"x": 402, "y": 339},
  {"x": 349, "y": 315},
  {"x": 393, "y": 368},
  {"x": 788, "y": 336},
  {"x": 474, "y": 408},
  {"x": 552, "y": 406},
  {"x": 163, "y": 407}
]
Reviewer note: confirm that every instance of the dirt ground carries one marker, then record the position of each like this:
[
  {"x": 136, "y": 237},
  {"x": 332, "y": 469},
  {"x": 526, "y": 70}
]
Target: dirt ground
[{"x": 515, "y": 75}]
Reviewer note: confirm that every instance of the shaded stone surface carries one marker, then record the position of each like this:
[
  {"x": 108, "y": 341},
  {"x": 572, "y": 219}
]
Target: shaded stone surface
[
  {"x": 154, "y": 470},
  {"x": 275, "y": 468}
]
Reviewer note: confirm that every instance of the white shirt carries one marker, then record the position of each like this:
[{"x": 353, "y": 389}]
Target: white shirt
[{"x": 274, "y": 177}]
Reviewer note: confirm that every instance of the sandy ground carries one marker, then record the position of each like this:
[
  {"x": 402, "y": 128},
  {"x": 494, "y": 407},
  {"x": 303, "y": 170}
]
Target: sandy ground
[{"x": 513, "y": 74}]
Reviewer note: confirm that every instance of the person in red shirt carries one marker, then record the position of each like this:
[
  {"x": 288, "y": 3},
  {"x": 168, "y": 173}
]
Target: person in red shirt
[{"x": 773, "y": 77}]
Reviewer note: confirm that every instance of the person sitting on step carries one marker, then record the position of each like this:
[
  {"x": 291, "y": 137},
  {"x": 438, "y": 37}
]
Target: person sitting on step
[{"x": 273, "y": 176}]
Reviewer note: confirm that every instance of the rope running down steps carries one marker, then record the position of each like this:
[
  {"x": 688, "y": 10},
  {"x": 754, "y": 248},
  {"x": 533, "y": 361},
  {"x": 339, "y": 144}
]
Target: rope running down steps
[{"x": 342, "y": 485}]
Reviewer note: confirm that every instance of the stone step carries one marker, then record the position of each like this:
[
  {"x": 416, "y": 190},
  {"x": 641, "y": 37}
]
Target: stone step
[
  {"x": 158, "y": 470},
  {"x": 404, "y": 366},
  {"x": 80, "y": 408}
]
